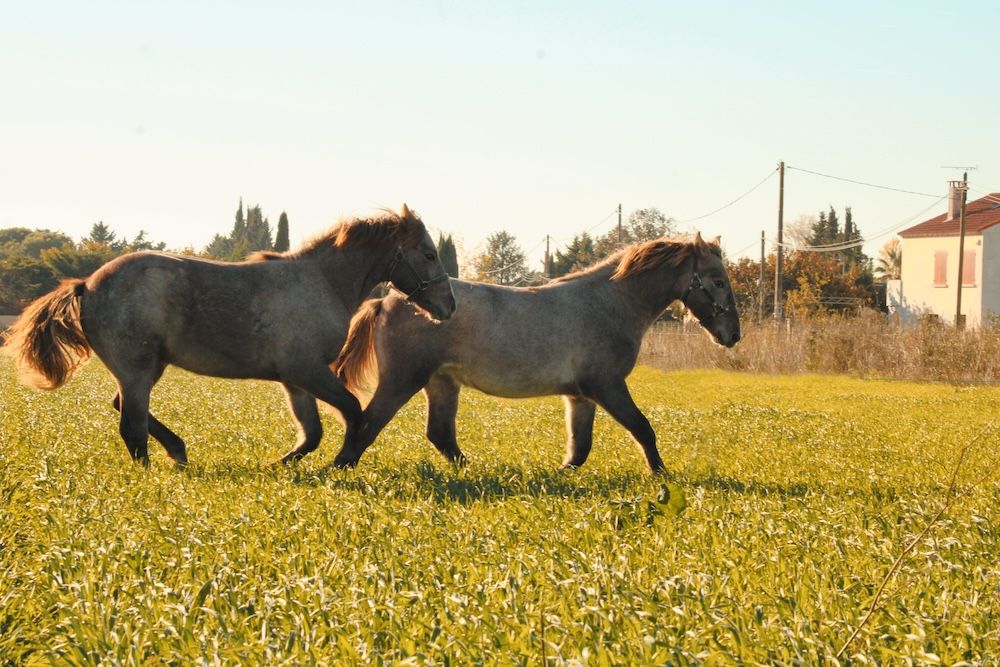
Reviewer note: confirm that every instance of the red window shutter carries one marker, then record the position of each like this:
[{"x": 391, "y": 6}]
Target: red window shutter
[
  {"x": 940, "y": 268},
  {"x": 969, "y": 267}
]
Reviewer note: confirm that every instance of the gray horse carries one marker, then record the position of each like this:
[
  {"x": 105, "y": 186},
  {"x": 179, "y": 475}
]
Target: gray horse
[
  {"x": 578, "y": 336},
  {"x": 280, "y": 317}
]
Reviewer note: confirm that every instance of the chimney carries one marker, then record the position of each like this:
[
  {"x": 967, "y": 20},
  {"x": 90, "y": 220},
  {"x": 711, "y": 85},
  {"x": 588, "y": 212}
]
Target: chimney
[{"x": 954, "y": 199}]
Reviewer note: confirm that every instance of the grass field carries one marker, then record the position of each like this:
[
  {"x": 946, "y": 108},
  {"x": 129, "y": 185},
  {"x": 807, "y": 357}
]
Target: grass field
[{"x": 800, "y": 493}]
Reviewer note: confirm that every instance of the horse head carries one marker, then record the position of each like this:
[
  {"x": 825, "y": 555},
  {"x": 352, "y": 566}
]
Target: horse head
[
  {"x": 709, "y": 295},
  {"x": 417, "y": 273}
]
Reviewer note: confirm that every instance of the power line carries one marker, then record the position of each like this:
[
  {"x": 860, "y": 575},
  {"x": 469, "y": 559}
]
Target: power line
[
  {"x": 844, "y": 245},
  {"x": 856, "y": 182},
  {"x": 526, "y": 253},
  {"x": 722, "y": 208},
  {"x": 988, "y": 195},
  {"x": 587, "y": 230},
  {"x": 742, "y": 250}
]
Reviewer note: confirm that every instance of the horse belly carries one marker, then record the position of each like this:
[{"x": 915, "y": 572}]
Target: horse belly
[
  {"x": 208, "y": 362},
  {"x": 512, "y": 381},
  {"x": 211, "y": 350}
]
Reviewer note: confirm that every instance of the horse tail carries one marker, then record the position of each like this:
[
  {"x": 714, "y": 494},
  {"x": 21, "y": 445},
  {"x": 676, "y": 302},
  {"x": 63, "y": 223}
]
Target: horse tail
[
  {"x": 47, "y": 341},
  {"x": 357, "y": 366}
]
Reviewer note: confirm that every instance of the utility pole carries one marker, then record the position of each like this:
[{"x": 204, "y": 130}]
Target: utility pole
[
  {"x": 619, "y": 225},
  {"x": 760, "y": 282},
  {"x": 548, "y": 259},
  {"x": 779, "y": 263},
  {"x": 959, "y": 318}
]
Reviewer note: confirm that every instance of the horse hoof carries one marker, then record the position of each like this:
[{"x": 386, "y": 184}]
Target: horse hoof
[{"x": 345, "y": 463}]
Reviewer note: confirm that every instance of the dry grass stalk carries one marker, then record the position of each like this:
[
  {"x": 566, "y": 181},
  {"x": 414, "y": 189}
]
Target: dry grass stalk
[{"x": 866, "y": 346}]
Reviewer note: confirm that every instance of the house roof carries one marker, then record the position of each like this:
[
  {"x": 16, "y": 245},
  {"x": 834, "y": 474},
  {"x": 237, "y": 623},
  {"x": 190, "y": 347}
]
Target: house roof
[{"x": 979, "y": 215}]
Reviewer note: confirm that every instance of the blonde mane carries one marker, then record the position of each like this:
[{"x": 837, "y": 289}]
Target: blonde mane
[
  {"x": 649, "y": 255},
  {"x": 660, "y": 253}
]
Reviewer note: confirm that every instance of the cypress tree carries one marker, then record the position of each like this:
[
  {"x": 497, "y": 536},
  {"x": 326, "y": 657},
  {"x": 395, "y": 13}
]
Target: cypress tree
[
  {"x": 258, "y": 230},
  {"x": 281, "y": 237},
  {"x": 239, "y": 225},
  {"x": 448, "y": 254}
]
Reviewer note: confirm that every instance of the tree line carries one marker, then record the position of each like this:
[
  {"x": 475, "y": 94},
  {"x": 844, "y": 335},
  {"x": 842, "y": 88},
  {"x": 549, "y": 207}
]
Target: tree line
[
  {"x": 821, "y": 277},
  {"x": 32, "y": 262}
]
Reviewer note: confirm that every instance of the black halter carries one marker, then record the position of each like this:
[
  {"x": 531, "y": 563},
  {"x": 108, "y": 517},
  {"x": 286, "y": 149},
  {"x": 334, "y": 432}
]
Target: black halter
[
  {"x": 697, "y": 284},
  {"x": 421, "y": 284}
]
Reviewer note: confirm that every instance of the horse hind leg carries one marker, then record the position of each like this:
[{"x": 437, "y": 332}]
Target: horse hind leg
[
  {"x": 442, "y": 407},
  {"x": 579, "y": 430},
  {"x": 172, "y": 443},
  {"x": 616, "y": 399},
  {"x": 303, "y": 407},
  {"x": 133, "y": 425}
]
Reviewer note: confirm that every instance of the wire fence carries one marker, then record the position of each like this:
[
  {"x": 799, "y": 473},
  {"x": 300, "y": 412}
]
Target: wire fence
[{"x": 868, "y": 346}]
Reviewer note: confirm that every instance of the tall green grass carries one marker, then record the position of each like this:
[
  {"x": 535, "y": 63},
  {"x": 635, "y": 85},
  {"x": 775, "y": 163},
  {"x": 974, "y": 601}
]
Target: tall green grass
[{"x": 800, "y": 493}]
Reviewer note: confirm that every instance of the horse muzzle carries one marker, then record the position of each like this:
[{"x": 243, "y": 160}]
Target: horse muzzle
[{"x": 731, "y": 339}]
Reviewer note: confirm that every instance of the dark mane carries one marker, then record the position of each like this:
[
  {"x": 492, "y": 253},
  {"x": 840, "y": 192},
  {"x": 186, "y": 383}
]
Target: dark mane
[
  {"x": 649, "y": 255},
  {"x": 404, "y": 229}
]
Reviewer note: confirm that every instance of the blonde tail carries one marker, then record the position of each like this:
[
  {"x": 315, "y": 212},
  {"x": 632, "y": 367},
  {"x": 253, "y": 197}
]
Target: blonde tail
[
  {"x": 47, "y": 340},
  {"x": 357, "y": 366}
]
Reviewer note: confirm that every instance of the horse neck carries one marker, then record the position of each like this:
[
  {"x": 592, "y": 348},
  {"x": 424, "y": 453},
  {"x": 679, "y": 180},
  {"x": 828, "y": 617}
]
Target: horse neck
[
  {"x": 651, "y": 291},
  {"x": 354, "y": 272}
]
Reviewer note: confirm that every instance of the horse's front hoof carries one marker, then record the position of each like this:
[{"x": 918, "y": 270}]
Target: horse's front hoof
[{"x": 345, "y": 463}]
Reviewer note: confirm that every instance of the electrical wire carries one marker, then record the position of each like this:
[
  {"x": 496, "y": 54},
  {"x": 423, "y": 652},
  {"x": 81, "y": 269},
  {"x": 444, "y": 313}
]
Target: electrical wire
[
  {"x": 741, "y": 250},
  {"x": 512, "y": 264},
  {"x": 722, "y": 208},
  {"x": 988, "y": 196},
  {"x": 844, "y": 245},
  {"x": 564, "y": 239},
  {"x": 856, "y": 182}
]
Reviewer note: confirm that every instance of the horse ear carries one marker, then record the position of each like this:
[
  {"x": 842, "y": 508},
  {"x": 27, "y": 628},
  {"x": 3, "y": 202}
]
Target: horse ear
[
  {"x": 404, "y": 212},
  {"x": 716, "y": 241},
  {"x": 698, "y": 241}
]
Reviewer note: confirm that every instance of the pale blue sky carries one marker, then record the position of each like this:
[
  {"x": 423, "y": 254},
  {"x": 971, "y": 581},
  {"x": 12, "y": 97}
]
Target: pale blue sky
[{"x": 532, "y": 117}]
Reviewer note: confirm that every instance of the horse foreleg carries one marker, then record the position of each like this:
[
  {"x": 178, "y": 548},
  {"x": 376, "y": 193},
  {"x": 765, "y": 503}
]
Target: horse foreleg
[
  {"x": 442, "y": 407},
  {"x": 171, "y": 442},
  {"x": 303, "y": 407},
  {"x": 386, "y": 402},
  {"x": 579, "y": 430},
  {"x": 615, "y": 398}
]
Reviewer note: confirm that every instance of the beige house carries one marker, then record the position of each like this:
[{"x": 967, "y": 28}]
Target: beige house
[{"x": 928, "y": 282}]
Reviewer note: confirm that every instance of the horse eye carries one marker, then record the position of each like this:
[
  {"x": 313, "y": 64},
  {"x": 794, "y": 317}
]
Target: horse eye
[
  {"x": 431, "y": 256},
  {"x": 718, "y": 283}
]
